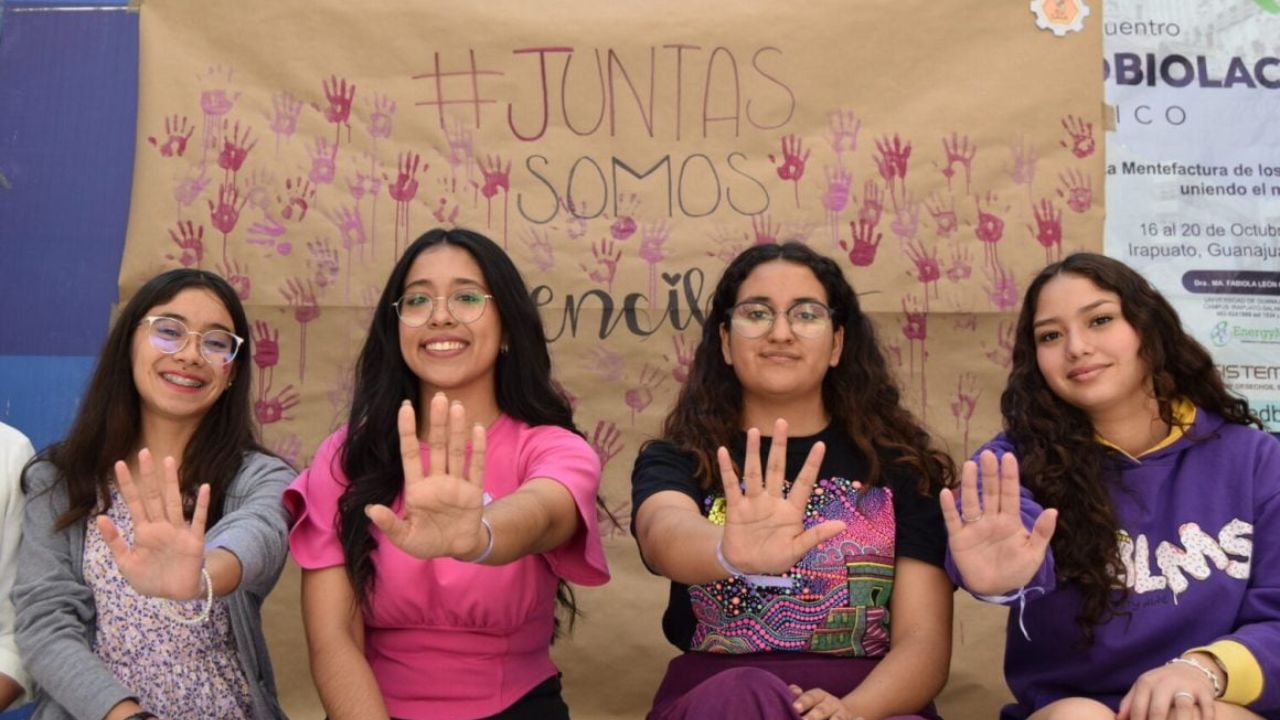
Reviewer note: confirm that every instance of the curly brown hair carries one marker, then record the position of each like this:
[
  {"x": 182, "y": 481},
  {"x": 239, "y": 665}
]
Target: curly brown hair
[
  {"x": 1061, "y": 462},
  {"x": 859, "y": 392}
]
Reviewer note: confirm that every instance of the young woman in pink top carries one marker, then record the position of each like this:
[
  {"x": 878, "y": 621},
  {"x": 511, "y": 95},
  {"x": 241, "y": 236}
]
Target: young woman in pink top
[{"x": 432, "y": 570}]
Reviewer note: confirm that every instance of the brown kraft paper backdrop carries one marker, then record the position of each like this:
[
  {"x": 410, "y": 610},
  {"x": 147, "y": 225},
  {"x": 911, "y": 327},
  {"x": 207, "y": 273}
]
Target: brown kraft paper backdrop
[{"x": 622, "y": 154}]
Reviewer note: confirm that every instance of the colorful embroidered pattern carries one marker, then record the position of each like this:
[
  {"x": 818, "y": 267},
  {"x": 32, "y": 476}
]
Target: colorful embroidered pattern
[{"x": 838, "y": 599}]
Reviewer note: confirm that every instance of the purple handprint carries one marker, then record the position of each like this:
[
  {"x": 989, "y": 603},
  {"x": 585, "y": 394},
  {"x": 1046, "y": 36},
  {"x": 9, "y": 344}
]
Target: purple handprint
[
  {"x": 177, "y": 132},
  {"x": 836, "y": 198},
  {"x": 323, "y": 262},
  {"x": 577, "y": 224},
  {"x": 216, "y": 100},
  {"x": 1002, "y": 289},
  {"x": 624, "y": 226},
  {"x": 1024, "y": 158},
  {"x": 540, "y": 250},
  {"x": 324, "y": 162},
  {"x": 269, "y": 233},
  {"x": 842, "y": 131},
  {"x": 906, "y": 219},
  {"x": 384, "y": 108},
  {"x": 190, "y": 186},
  {"x": 284, "y": 118}
]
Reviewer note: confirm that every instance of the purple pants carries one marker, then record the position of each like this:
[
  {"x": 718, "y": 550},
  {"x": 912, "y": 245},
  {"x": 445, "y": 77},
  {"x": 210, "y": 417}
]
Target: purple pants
[{"x": 755, "y": 687}]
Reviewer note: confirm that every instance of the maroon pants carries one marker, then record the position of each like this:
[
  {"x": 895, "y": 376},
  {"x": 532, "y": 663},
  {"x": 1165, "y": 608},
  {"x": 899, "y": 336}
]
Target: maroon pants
[{"x": 755, "y": 687}]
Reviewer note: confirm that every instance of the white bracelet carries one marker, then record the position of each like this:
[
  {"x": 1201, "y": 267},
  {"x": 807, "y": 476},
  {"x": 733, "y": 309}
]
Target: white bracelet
[
  {"x": 724, "y": 562},
  {"x": 773, "y": 581},
  {"x": 208, "y": 603},
  {"x": 488, "y": 549},
  {"x": 1208, "y": 674}
]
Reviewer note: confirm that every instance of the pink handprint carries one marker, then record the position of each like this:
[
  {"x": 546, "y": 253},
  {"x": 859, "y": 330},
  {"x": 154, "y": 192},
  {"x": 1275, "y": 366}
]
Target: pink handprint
[
  {"x": 577, "y": 224},
  {"x": 461, "y": 150},
  {"x": 350, "y": 227},
  {"x": 792, "y": 165},
  {"x": 272, "y": 409},
  {"x": 965, "y": 321},
  {"x": 235, "y": 148},
  {"x": 384, "y": 108},
  {"x": 1077, "y": 190},
  {"x": 215, "y": 101},
  {"x": 1080, "y": 134},
  {"x": 836, "y": 198},
  {"x": 402, "y": 190},
  {"x": 540, "y": 250},
  {"x": 906, "y": 219},
  {"x": 497, "y": 177},
  {"x": 266, "y": 354},
  {"x": 872, "y": 203},
  {"x": 339, "y": 95},
  {"x": 684, "y": 359},
  {"x": 865, "y": 243},
  {"x": 965, "y": 403},
  {"x": 268, "y": 232},
  {"x": 915, "y": 328},
  {"x": 237, "y": 277},
  {"x": 606, "y": 263},
  {"x": 959, "y": 151},
  {"x": 1024, "y": 158},
  {"x": 842, "y": 131},
  {"x": 323, "y": 263},
  {"x": 990, "y": 227},
  {"x": 624, "y": 226},
  {"x": 258, "y": 190},
  {"x": 324, "y": 162},
  {"x": 301, "y": 295},
  {"x": 606, "y": 363},
  {"x": 1048, "y": 229},
  {"x": 284, "y": 118},
  {"x": 892, "y": 162},
  {"x": 928, "y": 270},
  {"x": 764, "y": 229},
  {"x": 640, "y": 396},
  {"x": 1002, "y": 289},
  {"x": 654, "y": 237},
  {"x": 943, "y": 212},
  {"x": 728, "y": 245},
  {"x": 445, "y": 215},
  {"x": 606, "y": 440},
  {"x": 226, "y": 213},
  {"x": 190, "y": 186},
  {"x": 189, "y": 238},
  {"x": 177, "y": 132},
  {"x": 961, "y": 266},
  {"x": 297, "y": 198},
  {"x": 1002, "y": 353}
]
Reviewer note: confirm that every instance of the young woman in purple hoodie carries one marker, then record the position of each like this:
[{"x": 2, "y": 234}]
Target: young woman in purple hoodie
[{"x": 1130, "y": 514}]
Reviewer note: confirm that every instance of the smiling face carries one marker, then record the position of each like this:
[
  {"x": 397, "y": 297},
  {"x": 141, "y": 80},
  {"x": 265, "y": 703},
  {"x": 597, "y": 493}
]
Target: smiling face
[
  {"x": 781, "y": 366},
  {"x": 1086, "y": 350},
  {"x": 446, "y": 355},
  {"x": 181, "y": 386}
]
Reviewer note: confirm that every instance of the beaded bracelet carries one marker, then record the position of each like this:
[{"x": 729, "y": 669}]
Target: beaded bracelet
[
  {"x": 208, "y": 603},
  {"x": 1209, "y": 674},
  {"x": 488, "y": 549}
]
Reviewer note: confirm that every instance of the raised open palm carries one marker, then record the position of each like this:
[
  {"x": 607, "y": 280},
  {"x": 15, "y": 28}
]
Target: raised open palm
[
  {"x": 764, "y": 527},
  {"x": 167, "y": 554},
  {"x": 444, "y": 507},
  {"x": 993, "y": 550}
]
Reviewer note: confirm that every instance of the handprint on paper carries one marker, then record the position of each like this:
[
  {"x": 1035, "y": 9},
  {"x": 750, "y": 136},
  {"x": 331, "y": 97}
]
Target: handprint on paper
[
  {"x": 269, "y": 233},
  {"x": 177, "y": 132},
  {"x": 965, "y": 321},
  {"x": 538, "y": 241},
  {"x": 624, "y": 226},
  {"x": 915, "y": 328},
  {"x": 764, "y": 230},
  {"x": 893, "y": 352},
  {"x": 640, "y": 396},
  {"x": 990, "y": 227},
  {"x": 323, "y": 263},
  {"x": 872, "y": 203},
  {"x": 462, "y": 152},
  {"x": 684, "y": 359},
  {"x": 654, "y": 236},
  {"x": 842, "y": 131},
  {"x": 606, "y": 440},
  {"x": 1079, "y": 136},
  {"x": 1076, "y": 189},
  {"x": 792, "y": 165},
  {"x": 289, "y": 448},
  {"x": 961, "y": 266},
  {"x": 965, "y": 403},
  {"x": 943, "y": 212},
  {"x": 1002, "y": 290},
  {"x": 298, "y": 196},
  {"x": 906, "y": 219},
  {"x": 1048, "y": 229},
  {"x": 235, "y": 148},
  {"x": 272, "y": 409},
  {"x": 928, "y": 271},
  {"x": 350, "y": 226},
  {"x": 402, "y": 190},
  {"x": 216, "y": 100},
  {"x": 606, "y": 257},
  {"x": 226, "y": 213},
  {"x": 324, "y": 162},
  {"x": 728, "y": 245},
  {"x": 190, "y": 186},
  {"x": 865, "y": 243},
  {"x": 189, "y": 238},
  {"x": 258, "y": 189},
  {"x": 339, "y": 96},
  {"x": 301, "y": 295},
  {"x": 1023, "y": 156},
  {"x": 891, "y": 160},
  {"x": 497, "y": 177},
  {"x": 577, "y": 224},
  {"x": 285, "y": 109},
  {"x": 237, "y": 277},
  {"x": 836, "y": 197},
  {"x": 266, "y": 354},
  {"x": 443, "y": 214},
  {"x": 959, "y": 151},
  {"x": 1002, "y": 353},
  {"x": 380, "y": 120},
  {"x": 606, "y": 363}
]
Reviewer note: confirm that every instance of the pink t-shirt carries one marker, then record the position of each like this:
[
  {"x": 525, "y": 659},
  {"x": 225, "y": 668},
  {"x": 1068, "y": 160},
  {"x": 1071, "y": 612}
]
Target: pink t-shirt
[{"x": 448, "y": 639}]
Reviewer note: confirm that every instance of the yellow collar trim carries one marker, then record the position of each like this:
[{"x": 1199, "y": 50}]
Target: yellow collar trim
[{"x": 1184, "y": 415}]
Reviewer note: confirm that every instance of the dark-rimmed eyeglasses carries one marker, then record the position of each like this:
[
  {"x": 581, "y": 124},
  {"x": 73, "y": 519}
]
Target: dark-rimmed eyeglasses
[
  {"x": 466, "y": 306},
  {"x": 171, "y": 335},
  {"x": 754, "y": 319}
]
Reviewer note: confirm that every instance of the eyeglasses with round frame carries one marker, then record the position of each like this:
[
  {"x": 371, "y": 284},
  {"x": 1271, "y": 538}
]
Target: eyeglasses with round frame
[
  {"x": 170, "y": 336},
  {"x": 415, "y": 309},
  {"x": 754, "y": 319}
]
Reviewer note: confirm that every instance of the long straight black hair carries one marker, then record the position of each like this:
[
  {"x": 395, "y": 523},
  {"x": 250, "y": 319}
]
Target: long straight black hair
[
  {"x": 108, "y": 426},
  {"x": 371, "y": 456}
]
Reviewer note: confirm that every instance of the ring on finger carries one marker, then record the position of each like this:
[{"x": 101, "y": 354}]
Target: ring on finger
[
  {"x": 1184, "y": 694},
  {"x": 969, "y": 519}
]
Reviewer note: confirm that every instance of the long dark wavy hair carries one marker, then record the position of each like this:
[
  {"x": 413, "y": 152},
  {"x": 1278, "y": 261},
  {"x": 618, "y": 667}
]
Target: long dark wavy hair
[
  {"x": 859, "y": 392},
  {"x": 108, "y": 426},
  {"x": 1062, "y": 463},
  {"x": 371, "y": 456}
]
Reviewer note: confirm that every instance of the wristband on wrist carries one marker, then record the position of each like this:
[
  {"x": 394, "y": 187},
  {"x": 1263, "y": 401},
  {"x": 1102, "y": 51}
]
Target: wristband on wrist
[
  {"x": 1209, "y": 675},
  {"x": 724, "y": 562},
  {"x": 204, "y": 614},
  {"x": 488, "y": 549}
]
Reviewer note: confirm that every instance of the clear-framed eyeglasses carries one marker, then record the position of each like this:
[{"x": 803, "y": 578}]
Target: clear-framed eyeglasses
[
  {"x": 754, "y": 319},
  {"x": 171, "y": 335},
  {"x": 466, "y": 306}
]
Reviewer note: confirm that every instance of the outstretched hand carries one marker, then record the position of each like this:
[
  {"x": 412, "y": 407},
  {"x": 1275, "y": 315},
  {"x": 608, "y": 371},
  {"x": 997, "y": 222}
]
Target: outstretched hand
[
  {"x": 443, "y": 508},
  {"x": 764, "y": 528},
  {"x": 167, "y": 554},
  {"x": 989, "y": 544}
]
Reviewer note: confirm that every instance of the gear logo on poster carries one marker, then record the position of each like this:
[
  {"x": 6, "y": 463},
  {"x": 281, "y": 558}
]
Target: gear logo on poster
[{"x": 1219, "y": 334}]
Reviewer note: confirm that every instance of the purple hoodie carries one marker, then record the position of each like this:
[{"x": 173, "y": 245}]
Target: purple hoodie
[{"x": 1197, "y": 575}]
